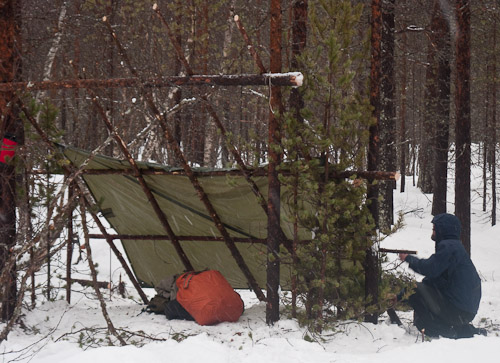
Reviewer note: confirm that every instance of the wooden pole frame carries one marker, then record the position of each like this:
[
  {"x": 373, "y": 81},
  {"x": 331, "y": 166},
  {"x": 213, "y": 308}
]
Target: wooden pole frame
[{"x": 174, "y": 146}]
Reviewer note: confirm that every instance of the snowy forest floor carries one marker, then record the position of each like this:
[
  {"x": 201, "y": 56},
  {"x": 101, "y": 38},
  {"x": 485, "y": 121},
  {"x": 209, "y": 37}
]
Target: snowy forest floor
[{"x": 59, "y": 332}]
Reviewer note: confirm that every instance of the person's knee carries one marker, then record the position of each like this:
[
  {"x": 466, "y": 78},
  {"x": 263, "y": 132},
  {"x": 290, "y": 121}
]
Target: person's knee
[{"x": 431, "y": 298}]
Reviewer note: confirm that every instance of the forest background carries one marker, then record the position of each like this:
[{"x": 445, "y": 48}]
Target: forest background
[{"x": 388, "y": 85}]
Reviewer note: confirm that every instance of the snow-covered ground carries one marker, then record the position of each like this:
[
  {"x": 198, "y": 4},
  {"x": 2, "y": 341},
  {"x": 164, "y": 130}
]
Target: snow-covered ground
[{"x": 58, "y": 332}]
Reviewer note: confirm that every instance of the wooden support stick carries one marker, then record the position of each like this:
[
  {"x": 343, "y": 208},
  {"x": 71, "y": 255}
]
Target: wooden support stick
[
  {"x": 389, "y": 250},
  {"x": 177, "y": 47},
  {"x": 394, "y": 317},
  {"x": 93, "y": 272},
  {"x": 100, "y": 284},
  {"x": 250, "y": 46},
  {"x": 115, "y": 250},
  {"x": 69, "y": 251},
  {"x": 137, "y": 173}
]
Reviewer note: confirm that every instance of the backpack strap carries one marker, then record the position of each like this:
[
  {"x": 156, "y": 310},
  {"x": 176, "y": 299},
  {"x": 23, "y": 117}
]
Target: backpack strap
[
  {"x": 187, "y": 276},
  {"x": 188, "y": 279}
]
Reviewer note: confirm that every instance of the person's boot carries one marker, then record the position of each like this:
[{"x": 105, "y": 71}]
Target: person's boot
[
  {"x": 468, "y": 331},
  {"x": 448, "y": 332},
  {"x": 482, "y": 331}
]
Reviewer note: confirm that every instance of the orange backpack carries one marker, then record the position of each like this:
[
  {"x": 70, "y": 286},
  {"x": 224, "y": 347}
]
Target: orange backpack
[{"x": 208, "y": 297}]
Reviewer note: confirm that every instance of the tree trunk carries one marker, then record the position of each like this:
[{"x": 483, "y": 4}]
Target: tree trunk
[
  {"x": 414, "y": 128},
  {"x": 296, "y": 101},
  {"x": 486, "y": 140},
  {"x": 198, "y": 61},
  {"x": 402, "y": 130},
  {"x": 426, "y": 156},
  {"x": 273, "y": 224},
  {"x": 371, "y": 261},
  {"x": 110, "y": 11},
  {"x": 212, "y": 143},
  {"x": 11, "y": 132},
  {"x": 463, "y": 121},
  {"x": 387, "y": 115},
  {"x": 493, "y": 123},
  {"x": 299, "y": 38},
  {"x": 176, "y": 94},
  {"x": 440, "y": 37}
]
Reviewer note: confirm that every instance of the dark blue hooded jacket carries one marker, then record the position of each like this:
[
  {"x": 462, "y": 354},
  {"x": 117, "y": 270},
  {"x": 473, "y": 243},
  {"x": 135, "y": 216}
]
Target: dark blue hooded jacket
[{"x": 450, "y": 269}]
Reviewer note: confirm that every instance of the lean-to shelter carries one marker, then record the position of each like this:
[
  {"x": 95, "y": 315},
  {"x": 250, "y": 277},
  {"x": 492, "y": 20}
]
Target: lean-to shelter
[{"x": 150, "y": 252}]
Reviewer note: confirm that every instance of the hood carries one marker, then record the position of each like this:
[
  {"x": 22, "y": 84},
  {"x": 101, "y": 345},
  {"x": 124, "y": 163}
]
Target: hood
[{"x": 447, "y": 226}]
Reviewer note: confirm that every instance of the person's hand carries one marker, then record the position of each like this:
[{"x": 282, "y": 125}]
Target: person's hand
[
  {"x": 402, "y": 256},
  {"x": 392, "y": 299}
]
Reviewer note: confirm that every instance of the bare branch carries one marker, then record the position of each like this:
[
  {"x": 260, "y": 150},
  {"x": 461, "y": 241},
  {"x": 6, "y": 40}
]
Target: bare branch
[{"x": 111, "y": 327}]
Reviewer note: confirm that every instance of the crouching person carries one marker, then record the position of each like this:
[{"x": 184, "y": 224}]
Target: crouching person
[{"x": 447, "y": 299}]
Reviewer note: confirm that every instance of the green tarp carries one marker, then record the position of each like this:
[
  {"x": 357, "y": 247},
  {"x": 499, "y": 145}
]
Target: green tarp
[{"x": 124, "y": 204}]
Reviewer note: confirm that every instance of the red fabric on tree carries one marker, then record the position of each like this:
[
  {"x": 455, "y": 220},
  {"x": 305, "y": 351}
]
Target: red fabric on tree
[{"x": 8, "y": 149}]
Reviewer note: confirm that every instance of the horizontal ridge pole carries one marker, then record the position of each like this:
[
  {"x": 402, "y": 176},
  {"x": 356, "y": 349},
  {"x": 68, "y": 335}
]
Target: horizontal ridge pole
[
  {"x": 180, "y": 238},
  {"x": 377, "y": 175},
  {"x": 276, "y": 79}
]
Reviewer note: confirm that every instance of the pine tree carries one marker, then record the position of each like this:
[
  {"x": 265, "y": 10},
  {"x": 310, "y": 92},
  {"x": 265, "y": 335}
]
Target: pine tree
[{"x": 333, "y": 134}]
